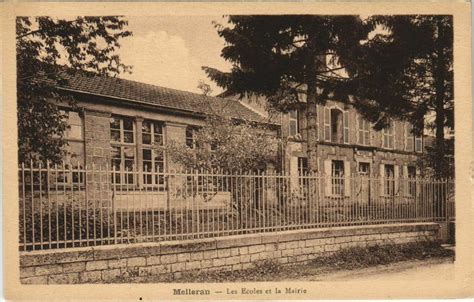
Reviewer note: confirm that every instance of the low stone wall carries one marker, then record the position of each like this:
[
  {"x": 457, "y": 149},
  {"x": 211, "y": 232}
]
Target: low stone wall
[{"x": 109, "y": 263}]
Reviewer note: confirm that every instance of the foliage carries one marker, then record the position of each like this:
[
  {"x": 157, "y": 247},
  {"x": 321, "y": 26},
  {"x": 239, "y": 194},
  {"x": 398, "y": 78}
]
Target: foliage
[
  {"x": 360, "y": 257},
  {"x": 49, "y": 49},
  {"x": 225, "y": 144},
  {"x": 430, "y": 160},
  {"x": 406, "y": 71},
  {"x": 282, "y": 57}
]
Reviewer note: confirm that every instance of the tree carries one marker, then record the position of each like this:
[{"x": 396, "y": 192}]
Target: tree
[
  {"x": 48, "y": 49},
  {"x": 281, "y": 57},
  {"x": 406, "y": 71},
  {"x": 224, "y": 143}
]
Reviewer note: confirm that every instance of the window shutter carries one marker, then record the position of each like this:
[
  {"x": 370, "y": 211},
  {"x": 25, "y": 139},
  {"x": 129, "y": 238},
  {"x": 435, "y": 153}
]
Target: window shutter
[
  {"x": 328, "y": 179},
  {"x": 396, "y": 178},
  {"x": 347, "y": 178},
  {"x": 346, "y": 126},
  {"x": 381, "y": 179},
  {"x": 327, "y": 124},
  {"x": 418, "y": 144}
]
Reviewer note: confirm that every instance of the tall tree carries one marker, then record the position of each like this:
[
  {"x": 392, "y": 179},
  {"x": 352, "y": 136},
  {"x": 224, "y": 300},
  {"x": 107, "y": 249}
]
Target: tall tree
[
  {"x": 406, "y": 71},
  {"x": 46, "y": 48},
  {"x": 282, "y": 57}
]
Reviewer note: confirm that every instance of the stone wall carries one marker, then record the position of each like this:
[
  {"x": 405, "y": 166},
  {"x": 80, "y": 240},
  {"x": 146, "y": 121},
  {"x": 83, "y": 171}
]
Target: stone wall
[{"x": 171, "y": 259}]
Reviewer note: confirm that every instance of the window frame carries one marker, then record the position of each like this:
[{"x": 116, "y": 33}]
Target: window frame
[
  {"x": 338, "y": 181},
  {"x": 390, "y": 134},
  {"x": 157, "y": 180},
  {"x": 122, "y": 145},
  {"x": 410, "y": 136},
  {"x": 328, "y": 125},
  {"x": 294, "y": 120},
  {"x": 363, "y": 128},
  {"x": 389, "y": 185}
]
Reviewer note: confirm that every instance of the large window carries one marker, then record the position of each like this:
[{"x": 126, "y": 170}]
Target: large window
[
  {"x": 294, "y": 126},
  {"x": 418, "y": 144},
  {"x": 336, "y": 125},
  {"x": 191, "y": 137},
  {"x": 337, "y": 173},
  {"x": 388, "y": 137},
  {"x": 364, "y": 132},
  {"x": 413, "y": 143},
  {"x": 153, "y": 157},
  {"x": 389, "y": 175},
  {"x": 411, "y": 173},
  {"x": 364, "y": 169},
  {"x": 122, "y": 138}
]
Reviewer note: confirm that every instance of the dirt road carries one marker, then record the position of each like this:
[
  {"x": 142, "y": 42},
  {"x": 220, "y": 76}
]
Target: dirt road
[{"x": 435, "y": 269}]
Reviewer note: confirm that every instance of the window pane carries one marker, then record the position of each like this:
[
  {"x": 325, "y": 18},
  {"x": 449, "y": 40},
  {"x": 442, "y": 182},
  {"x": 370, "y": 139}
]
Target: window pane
[
  {"x": 410, "y": 144},
  {"x": 389, "y": 170},
  {"x": 114, "y": 123},
  {"x": 115, "y": 135},
  {"x": 366, "y": 138},
  {"x": 115, "y": 152},
  {"x": 159, "y": 156},
  {"x": 146, "y": 139},
  {"x": 159, "y": 139},
  {"x": 418, "y": 144},
  {"x": 129, "y": 165},
  {"x": 127, "y": 124},
  {"x": 128, "y": 137},
  {"x": 293, "y": 129},
  {"x": 293, "y": 114},
  {"x": 146, "y": 154},
  {"x": 146, "y": 127},
  {"x": 158, "y": 128},
  {"x": 129, "y": 152}
]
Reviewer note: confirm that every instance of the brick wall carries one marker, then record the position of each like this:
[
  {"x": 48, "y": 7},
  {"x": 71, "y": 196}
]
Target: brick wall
[{"x": 168, "y": 259}]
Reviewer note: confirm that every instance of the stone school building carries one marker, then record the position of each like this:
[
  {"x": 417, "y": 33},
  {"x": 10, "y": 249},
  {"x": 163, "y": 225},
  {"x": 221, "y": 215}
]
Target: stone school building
[{"x": 121, "y": 121}]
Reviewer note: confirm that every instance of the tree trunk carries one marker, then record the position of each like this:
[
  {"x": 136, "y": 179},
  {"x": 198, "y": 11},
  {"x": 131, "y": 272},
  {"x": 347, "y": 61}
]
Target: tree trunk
[{"x": 311, "y": 126}]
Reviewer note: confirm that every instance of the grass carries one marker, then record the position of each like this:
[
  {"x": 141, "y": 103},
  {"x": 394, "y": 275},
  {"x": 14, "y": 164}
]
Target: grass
[{"x": 347, "y": 259}]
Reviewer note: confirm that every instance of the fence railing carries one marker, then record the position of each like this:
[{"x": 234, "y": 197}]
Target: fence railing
[{"x": 65, "y": 206}]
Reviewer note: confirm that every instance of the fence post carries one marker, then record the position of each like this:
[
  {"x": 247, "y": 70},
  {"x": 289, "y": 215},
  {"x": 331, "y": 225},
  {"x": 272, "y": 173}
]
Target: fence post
[{"x": 113, "y": 205}]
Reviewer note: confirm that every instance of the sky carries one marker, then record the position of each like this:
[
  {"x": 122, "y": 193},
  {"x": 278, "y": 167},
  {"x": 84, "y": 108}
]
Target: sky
[{"x": 169, "y": 51}]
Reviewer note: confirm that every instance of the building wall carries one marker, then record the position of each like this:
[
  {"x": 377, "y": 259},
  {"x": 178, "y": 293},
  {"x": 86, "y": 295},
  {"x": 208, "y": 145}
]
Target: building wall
[
  {"x": 172, "y": 259},
  {"x": 351, "y": 150},
  {"x": 96, "y": 116}
]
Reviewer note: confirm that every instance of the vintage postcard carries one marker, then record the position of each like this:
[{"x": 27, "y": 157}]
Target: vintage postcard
[{"x": 217, "y": 151}]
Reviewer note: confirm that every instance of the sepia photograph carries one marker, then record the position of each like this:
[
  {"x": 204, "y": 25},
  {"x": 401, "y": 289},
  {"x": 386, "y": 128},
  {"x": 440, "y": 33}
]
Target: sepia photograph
[{"x": 231, "y": 148}]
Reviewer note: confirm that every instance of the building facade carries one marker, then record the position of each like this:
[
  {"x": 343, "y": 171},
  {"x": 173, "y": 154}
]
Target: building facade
[
  {"x": 347, "y": 143},
  {"x": 120, "y": 123},
  {"x": 122, "y": 120}
]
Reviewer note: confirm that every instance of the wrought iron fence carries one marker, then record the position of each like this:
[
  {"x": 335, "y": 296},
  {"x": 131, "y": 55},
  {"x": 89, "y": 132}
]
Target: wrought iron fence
[{"x": 68, "y": 206}]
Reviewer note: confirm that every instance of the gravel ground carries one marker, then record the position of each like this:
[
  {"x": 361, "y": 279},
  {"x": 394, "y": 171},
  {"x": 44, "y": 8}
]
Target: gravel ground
[{"x": 432, "y": 269}]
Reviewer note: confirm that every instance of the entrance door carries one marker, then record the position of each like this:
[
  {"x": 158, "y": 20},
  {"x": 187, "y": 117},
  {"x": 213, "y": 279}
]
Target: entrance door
[{"x": 364, "y": 172}]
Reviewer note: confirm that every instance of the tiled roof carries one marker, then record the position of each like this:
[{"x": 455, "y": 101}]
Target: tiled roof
[{"x": 131, "y": 91}]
